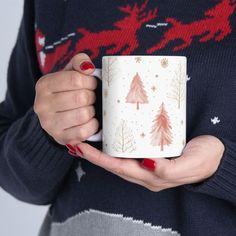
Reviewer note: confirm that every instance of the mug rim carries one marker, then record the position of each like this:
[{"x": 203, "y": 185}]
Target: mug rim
[{"x": 166, "y": 56}]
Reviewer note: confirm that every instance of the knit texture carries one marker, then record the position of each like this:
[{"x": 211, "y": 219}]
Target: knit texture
[{"x": 85, "y": 199}]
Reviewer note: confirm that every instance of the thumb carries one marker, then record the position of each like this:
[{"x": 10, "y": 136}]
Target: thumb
[{"x": 81, "y": 63}]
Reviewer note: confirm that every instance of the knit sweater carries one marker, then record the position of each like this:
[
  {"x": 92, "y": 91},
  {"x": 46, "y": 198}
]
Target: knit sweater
[{"x": 85, "y": 199}]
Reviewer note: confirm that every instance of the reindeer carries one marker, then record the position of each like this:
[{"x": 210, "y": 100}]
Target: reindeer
[
  {"x": 123, "y": 38},
  {"x": 215, "y": 25}
]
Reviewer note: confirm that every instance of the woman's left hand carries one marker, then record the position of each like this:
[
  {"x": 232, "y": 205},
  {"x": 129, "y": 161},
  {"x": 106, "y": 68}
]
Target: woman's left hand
[{"x": 200, "y": 160}]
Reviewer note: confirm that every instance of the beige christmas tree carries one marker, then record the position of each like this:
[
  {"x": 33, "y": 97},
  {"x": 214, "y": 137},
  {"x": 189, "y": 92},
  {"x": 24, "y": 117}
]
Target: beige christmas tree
[
  {"x": 161, "y": 129},
  {"x": 109, "y": 70},
  {"x": 177, "y": 84},
  {"x": 124, "y": 140},
  {"x": 137, "y": 93}
]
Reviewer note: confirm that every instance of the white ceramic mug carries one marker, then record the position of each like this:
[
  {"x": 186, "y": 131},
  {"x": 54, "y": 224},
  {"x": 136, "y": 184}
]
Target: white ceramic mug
[{"x": 144, "y": 106}]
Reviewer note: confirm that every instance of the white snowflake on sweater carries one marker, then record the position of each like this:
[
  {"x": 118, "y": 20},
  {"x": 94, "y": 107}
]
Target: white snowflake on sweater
[{"x": 215, "y": 120}]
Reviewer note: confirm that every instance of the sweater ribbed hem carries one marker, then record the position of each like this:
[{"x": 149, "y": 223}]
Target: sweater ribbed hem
[
  {"x": 223, "y": 183},
  {"x": 38, "y": 150}
]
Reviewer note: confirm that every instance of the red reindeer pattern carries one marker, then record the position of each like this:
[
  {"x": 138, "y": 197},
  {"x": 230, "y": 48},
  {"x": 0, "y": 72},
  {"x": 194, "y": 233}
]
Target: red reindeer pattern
[
  {"x": 123, "y": 38},
  {"x": 47, "y": 61},
  {"x": 215, "y": 25}
]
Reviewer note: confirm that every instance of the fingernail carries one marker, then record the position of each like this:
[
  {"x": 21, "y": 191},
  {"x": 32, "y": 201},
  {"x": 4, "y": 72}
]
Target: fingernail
[
  {"x": 79, "y": 151},
  {"x": 71, "y": 148},
  {"x": 149, "y": 164},
  {"x": 86, "y": 65},
  {"x": 73, "y": 154}
]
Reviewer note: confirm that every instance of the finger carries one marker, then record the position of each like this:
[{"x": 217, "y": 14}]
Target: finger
[
  {"x": 155, "y": 187},
  {"x": 176, "y": 169},
  {"x": 67, "y": 81},
  {"x": 81, "y": 63},
  {"x": 80, "y": 133},
  {"x": 72, "y": 100},
  {"x": 123, "y": 167},
  {"x": 76, "y": 117},
  {"x": 162, "y": 169},
  {"x": 128, "y": 169}
]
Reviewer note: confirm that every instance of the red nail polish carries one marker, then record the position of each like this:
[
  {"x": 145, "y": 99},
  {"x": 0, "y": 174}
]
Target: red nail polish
[
  {"x": 86, "y": 65},
  {"x": 149, "y": 164},
  {"x": 70, "y": 147},
  {"x": 73, "y": 154},
  {"x": 79, "y": 151}
]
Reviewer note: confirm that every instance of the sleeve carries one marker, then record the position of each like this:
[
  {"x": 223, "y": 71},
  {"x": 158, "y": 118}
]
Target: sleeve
[
  {"x": 220, "y": 102},
  {"x": 222, "y": 184},
  {"x": 32, "y": 166}
]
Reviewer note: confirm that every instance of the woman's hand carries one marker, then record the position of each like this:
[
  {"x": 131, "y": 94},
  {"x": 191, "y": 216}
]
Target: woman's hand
[
  {"x": 199, "y": 161},
  {"x": 64, "y": 102}
]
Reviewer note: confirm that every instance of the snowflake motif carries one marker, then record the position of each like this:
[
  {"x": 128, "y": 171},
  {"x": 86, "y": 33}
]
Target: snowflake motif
[
  {"x": 138, "y": 59},
  {"x": 164, "y": 62},
  {"x": 79, "y": 172},
  {"x": 215, "y": 120},
  {"x": 118, "y": 101},
  {"x": 156, "y": 76},
  {"x": 153, "y": 88}
]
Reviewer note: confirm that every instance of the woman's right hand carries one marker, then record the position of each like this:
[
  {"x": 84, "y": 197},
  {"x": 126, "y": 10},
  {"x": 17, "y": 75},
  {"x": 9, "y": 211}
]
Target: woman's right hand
[{"x": 64, "y": 102}]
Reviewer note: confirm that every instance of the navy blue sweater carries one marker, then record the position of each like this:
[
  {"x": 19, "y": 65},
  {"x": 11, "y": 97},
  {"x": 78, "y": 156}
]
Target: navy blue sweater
[{"x": 86, "y": 199}]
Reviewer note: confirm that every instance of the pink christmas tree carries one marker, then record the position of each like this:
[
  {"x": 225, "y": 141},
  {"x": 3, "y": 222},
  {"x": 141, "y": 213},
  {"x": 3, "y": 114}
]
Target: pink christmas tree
[
  {"x": 137, "y": 94},
  {"x": 161, "y": 129}
]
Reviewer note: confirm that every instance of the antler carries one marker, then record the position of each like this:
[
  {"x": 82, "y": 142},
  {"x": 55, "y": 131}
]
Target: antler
[
  {"x": 126, "y": 9},
  {"x": 135, "y": 8},
  {"x": 143, "y": 6},
  {"x": 149, "y": 16}
]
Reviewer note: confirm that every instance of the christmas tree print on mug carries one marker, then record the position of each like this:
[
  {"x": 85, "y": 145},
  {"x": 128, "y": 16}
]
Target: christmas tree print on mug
[
  {"x": 161, "y": 129},
  {"x": 144, "y": 106},
  {"x": 137, "y": 94}
]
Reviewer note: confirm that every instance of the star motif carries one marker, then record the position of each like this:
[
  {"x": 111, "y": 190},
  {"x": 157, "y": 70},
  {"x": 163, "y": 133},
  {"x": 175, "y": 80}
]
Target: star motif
[
  {"x": 153, "y": 88},
  {"x": 79, "y": 172},
  {"x": 142, "y": 135},
  {"x": 118, "y": 101},
  {"x": 182, "y": 122},
  {"x": 215, "y": 120},
  {"x": 138, "y": 59},
  {"x": 104, "y": 113},
  {"x": 156, "y": 76}
]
